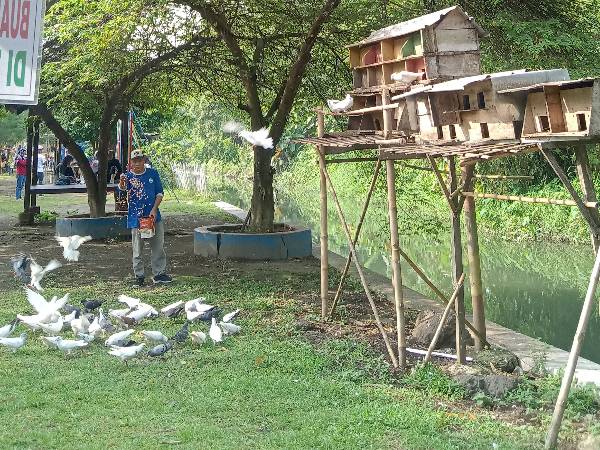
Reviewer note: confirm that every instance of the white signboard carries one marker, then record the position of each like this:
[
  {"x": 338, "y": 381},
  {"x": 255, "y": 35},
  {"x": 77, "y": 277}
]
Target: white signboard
[{"x": 20, "y": 50}]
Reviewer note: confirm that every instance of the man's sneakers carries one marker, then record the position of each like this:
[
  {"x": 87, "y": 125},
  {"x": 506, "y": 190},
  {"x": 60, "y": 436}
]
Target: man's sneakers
[{"x": 163, "y": 278}]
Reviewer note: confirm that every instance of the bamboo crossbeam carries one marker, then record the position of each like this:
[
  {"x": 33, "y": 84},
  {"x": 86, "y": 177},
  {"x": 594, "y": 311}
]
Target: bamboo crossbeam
[
  {"x": 355, "y": 240},
  {"x": 350, "y": 160},
  {"x": 438, "y": 330},
  {"x": 520, "y": 198},
  {"x": 357, "y": 112},
  {"x": 478, "y": 176},
  {"x": 361, "y": 274}
]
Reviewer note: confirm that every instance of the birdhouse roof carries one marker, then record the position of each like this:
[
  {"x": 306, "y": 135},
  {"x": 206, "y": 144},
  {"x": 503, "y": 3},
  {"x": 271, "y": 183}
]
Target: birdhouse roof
[{"x": 416, "y": 24}]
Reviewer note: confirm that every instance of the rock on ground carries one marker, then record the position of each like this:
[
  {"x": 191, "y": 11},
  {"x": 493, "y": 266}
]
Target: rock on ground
[
  {"x": 425, "y": 326},
  {"x": 494, "y": 385},
  {"x": 497, "y": 359}
]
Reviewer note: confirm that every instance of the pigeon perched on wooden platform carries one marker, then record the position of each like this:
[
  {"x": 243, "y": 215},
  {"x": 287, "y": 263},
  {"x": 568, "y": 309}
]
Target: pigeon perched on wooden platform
[
  {"x": 70, "y": 245},
  {"x": 14, "y": 343},
  {"x": 231, "y": 316},
  {"x": 160, "y": 350},
  {"x": 21, "y": 267},
  {"x": 38, "y": 272},
  {"x": 68, "y": 345},
  {"x": 215, "y": 333},
  {"x": 118, "y": 338},
  {"x": 125, "y": 353},
  {"x": 198, "y": 337},
  {"x": 338, "y": 106},
  {"x": 406, "y": 77},
  {"x": 229, "y": 328},
  {"x": 173, "y": 310},
  {"x": 155, "y": 336},
  {"x": 7, "y": 330},
  {"x": 182, "y": 335}
]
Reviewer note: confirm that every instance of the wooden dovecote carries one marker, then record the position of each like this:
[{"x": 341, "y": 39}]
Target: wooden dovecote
[{"x": 435, "y": 47}]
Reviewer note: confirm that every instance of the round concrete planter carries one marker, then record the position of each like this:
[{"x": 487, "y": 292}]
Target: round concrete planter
[
  {"x": 224, "y": 241},
  {"x": 111, "y": 226}
]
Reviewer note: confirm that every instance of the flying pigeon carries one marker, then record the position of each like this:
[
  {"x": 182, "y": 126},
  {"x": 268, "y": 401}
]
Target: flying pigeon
[
  {"x": 160, "y": 350},
  {"x": 38, "y": 272},
  {"x": 259, "y": 138},
  {"x": 125, "y": 353},
  {"x": 70, "y": 245},
  {"x": 47, "y": 310},
  {"x": 20, "y": 264},
  {"x": 52, "y": 329},
  {"x": 173, "y": 310},
  {"x": 155, "y": 336},
  {"x": 231, "y": 316},
  {"x": 229, "y": 328},
  {"x": 68, "y": 345},
  {"x": 6, "y": 330},
  {"x": 406, "y": 77},
  {"x": 215, "y": 333},
  {"x": 118, "y": 338},
  {"x": 182, "y": 335},
  {"x": 339, "y": 106},
  {"x": 91, "y": 305},
  {"x": 14, "y": 343},
  {"x": 198, "y": 337}
]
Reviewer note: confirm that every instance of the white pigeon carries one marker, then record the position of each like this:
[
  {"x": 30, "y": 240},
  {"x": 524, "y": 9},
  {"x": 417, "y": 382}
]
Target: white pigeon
[
  {"x": 38, "y": 272},
  {"x": 51, "y": 341},
  {"x": 118, "y": 313},
  {"x": 6, "y": 330},
  {"x": 191, "y": 305},
  {"x": 259, "y": 138},
  {"x": 339, "y": 106},
  {"x": 200, "y": 309},
  {"x": 231, "y": 316},
  {"x": 118, "y": 338},
  {"x": 129, "y": 301},
  {"x": 31, "y": 322},
  {"x": 406, "y": 77},
  {"x": 126, "y": 353},
  {"x": 140, "y": 314},
  {"x": 172, "y": 308},
  {"x": 70, "y": 244},
  {"x": 87, "y": 337},
  {"x": 198, "y": 337},
  {"x": 68, "y": 345},
  {"x": 95, "y": 327},
  {"x": 152, "y": 309},
  {"x": 15, "y": 343},
  {"x": 70, "y": 317},
  {"x": 52, "y": 329},
  {"x": 155, "y": 336},
  {"x": 47, "y": 310},
  {"x": 80, "y": 325},
  {"x": 229, "y": 328},
  {"x": 215, "y": 333}
]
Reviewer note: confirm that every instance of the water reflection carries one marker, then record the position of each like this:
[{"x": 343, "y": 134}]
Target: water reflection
[{"x": 534, "y": 288}]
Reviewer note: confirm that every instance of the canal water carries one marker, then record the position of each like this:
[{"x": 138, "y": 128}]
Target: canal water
[{"x": 535, "y": 288}]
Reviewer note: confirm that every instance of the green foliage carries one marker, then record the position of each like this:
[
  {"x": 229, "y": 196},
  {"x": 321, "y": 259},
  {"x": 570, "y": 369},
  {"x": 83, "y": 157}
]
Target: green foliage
[
  {"x": 46, "y": 217},
  {"x": 434, "y": 381},
  {"x": 541, "y": 393},
  {"x": 12, "y": 128}
]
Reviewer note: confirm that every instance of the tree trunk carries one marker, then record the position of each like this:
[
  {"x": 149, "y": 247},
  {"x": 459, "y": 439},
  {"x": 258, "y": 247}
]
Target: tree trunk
[{"x": 263, "y": 203}]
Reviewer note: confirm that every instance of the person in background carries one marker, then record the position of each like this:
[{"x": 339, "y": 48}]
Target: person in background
[
  {"x": 21, "y": 167},
  {"x": 64, "y": 170},
  {"x": 94, "y": 163},
  {"x": 145, "y": 193},
  {"x": 41, "y": 164},
  {"x": 114, "y": 170}
]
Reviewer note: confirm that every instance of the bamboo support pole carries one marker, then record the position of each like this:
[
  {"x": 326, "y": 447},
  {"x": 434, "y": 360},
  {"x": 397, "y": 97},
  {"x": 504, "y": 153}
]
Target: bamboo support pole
[
  {"x": 442, "y": 184},
  {"x": 588, "y": 189},
  {"x": 457, "y": 266},
  {"x": 478, "y": 306},
  {"x": 561, "y": 401},
  {"x": 355, "y": 240},
  {"x": 438, "y": 330},
  {"x": 520, "y": 198},
  {"x": 442, "y": 298},
  {"x": 324, "y": 225},
  {"x": 396, "y": 269},
  {"x": 361, "y": 274}
]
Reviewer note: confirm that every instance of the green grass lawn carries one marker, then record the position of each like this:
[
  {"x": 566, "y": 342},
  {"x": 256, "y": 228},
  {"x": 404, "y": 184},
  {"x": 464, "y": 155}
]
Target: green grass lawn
[{"x": 265, "y": 388}]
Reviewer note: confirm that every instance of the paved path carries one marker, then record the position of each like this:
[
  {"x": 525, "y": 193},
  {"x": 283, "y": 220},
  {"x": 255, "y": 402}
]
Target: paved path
[{"x": 523, "y": 346}]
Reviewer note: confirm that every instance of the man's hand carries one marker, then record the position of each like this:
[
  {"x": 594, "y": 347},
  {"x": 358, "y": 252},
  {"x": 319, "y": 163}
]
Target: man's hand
[{"x": 154, "y": 212}]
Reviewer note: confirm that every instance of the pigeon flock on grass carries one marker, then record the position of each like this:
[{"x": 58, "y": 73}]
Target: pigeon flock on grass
[{"x": 56, "y": 316}]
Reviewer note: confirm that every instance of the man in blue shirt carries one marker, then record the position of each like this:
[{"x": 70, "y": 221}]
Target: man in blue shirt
[{"x": 145, "y": 193}]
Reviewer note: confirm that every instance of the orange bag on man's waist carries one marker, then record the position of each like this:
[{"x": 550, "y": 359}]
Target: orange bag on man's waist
[{"x": 147, "y": 227}]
